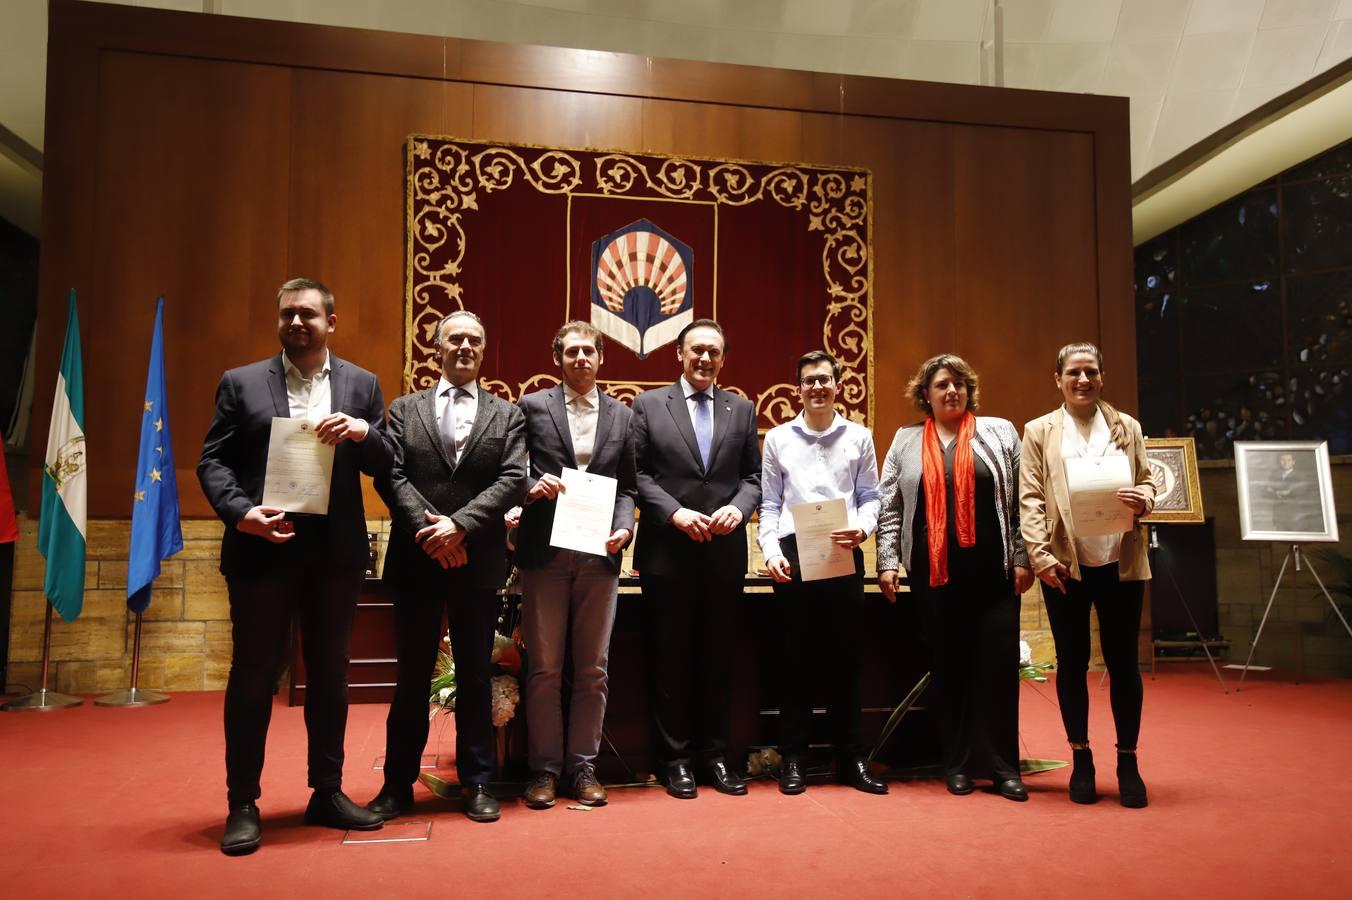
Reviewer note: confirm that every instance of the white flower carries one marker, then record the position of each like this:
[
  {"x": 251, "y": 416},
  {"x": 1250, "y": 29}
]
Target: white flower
[
  {"x": 506, "y": 695},
  {"x": 445, "y": 692},
  {"x": 500, "y": 643},
  {"x": 1025, "y": 654}
]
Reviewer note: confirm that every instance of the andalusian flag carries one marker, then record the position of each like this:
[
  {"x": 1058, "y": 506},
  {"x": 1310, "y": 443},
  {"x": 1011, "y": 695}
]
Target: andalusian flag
[
  {"x": 61, "y": 531},
  {"x": 155, "y": 530}
]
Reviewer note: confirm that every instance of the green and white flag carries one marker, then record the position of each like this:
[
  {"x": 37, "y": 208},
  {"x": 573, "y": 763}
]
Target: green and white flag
[{"x": 61, "y": 530}]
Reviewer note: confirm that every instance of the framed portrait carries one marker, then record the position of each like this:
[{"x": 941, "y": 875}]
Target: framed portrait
[
  {"x": 1178, "y": 491},
  {"x": 1285, "y": 491}
]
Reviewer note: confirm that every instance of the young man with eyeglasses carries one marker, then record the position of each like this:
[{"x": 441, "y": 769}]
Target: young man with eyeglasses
[{"x": 820, "y": 455}]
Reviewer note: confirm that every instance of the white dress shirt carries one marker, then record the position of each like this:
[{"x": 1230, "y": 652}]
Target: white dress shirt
[
  {"x": 691, "y": 405},
  {"x": 583, "y": 412},
  {"x": 1099, "y": 550},
  {"x": 800, "y": 465},
  {"x": 466, "y": 407},
  {"x": 308, "y": 398}
]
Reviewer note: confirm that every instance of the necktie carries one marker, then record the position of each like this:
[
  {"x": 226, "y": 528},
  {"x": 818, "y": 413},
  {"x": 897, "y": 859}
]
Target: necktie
[
  {"x": 448, "y": 423},
  {"x": 704, "y": 426}
]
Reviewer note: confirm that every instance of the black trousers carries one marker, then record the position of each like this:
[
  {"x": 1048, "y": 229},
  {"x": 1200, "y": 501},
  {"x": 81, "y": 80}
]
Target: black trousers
[
  {"x": 691, "y": 626},
  {"x": 818, "y": 631},
  {"x": 262, "y": 607},
  {"x": 471, "y": 616},
  {"x": 972, "y": 625},
  {"x": 1118, "y": 604}
]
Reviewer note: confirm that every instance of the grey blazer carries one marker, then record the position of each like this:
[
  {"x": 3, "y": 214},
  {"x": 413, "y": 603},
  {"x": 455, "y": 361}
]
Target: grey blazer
[
  {"x": 996, "y": 442},
  {"x": 489, "y": 480},
  {"x": 551, "y": 450}
]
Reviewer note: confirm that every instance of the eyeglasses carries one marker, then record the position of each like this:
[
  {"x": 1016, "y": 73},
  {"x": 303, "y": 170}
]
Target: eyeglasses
[{"x": 811, "y": 380}]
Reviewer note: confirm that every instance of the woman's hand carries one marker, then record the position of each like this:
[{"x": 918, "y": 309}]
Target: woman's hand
[
  {"x": 888, "y": 582},
  {"x": 1023, "y": 580},
  {"x": 780, "y": 568},
  {"x": 1055, "y": 576},
  {"x": 1135, "y": 497}
]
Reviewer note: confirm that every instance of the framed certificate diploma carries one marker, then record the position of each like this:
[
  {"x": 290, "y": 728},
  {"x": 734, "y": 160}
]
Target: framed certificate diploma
[
  {"x": 300, "y": 468},
  {"x": 583, "y": 512},
  {"x": 818, "y": 556},
  {"x": 1093, "y": 483}
]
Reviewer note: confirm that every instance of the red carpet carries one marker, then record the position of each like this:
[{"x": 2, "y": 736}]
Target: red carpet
[{"x": 1249, "y": 797}]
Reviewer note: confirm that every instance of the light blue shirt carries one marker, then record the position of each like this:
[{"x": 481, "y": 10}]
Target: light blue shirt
[{"x": 800, "y": 465}]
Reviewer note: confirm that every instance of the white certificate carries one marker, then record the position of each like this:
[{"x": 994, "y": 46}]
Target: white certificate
[
  {"x": 1093, "y": 483},
  {"x": 583, "y": 512},
  {"x": 300, "y": 468},
  {"x": 818, "y": 556}
]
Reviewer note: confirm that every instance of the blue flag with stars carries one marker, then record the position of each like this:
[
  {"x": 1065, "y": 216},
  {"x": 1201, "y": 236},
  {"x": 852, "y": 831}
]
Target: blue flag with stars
[{"x": 155, "y": 530}]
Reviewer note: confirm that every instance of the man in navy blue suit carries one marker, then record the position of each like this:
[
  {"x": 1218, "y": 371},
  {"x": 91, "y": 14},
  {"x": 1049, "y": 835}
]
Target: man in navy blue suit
[
  {"x": 699, "y": 471},
  {"x": 279, "y": 566}
]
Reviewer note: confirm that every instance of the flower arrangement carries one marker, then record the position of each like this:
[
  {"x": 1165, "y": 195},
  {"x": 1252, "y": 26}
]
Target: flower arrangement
[
  {"x": 1029, "y": 670},
  {"x": 506, "y": 660}
]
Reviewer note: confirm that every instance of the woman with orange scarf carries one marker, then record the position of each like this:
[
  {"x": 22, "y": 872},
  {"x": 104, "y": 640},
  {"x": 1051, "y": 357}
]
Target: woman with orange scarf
[{"x": 950, "y": 518}]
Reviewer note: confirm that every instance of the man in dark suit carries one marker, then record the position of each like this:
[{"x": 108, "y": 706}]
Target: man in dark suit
[
  {"x": 699, "y": 473},
  {"x": 279, "y": 566},
  {"x": 568, "y": 597},
  {"x": 459, "y": 465}
]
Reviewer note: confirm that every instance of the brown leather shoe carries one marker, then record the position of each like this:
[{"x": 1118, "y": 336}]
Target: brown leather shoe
[
  {"x": 587, "y": 789},
  {"x": 541, "y": 791}
]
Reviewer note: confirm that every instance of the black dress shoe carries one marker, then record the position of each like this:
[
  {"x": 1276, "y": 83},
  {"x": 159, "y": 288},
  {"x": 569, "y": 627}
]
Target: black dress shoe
[
  {"x": 389, "y": 804},
  {"x": 681, "y": 782},
  {"x": 791, "y": 780},
  {"x": 335, "y": 810},
  {"x": 480, "y": 805},
  {"x": 243, "y": 831},
  {"x": 723, "y": 779},
  {"x": 1012, "y": 789},
  {"x": 959, "y": 784},
  {"x": 855, "y": 773}
]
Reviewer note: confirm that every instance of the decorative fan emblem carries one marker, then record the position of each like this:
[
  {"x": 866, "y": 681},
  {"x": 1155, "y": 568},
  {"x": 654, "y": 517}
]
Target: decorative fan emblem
[{"x": 642, "y": 293}]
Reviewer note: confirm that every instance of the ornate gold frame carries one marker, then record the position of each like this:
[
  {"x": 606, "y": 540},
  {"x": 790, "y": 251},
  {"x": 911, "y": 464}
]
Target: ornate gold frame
[
  {"x": 1194, "y": 514},
  {"x": 454, "y": 176}
]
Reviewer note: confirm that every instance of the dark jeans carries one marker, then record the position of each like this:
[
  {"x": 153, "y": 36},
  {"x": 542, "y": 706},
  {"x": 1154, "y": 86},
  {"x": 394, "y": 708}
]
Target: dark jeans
[
  {"x": 818, "y": 627},
  {"x": 972, "y": 625},
  {"x": 261, "y": 610},
  {"x": 1118, "y": 604},
  {"x": 690, "y": 629},
  {"x": 471, "y": 616}
]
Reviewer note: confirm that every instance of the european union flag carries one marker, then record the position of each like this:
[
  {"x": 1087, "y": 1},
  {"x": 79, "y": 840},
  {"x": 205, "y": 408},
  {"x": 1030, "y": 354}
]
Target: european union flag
[{"x": 155, "y": 530}]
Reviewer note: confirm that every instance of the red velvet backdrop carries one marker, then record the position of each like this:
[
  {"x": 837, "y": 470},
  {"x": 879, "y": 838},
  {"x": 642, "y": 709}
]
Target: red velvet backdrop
[{"x": 781, "y": 258}]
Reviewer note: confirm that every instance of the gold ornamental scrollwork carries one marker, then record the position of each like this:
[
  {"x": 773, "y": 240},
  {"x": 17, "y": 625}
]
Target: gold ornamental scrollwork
[{"x": 448, "y": 180}]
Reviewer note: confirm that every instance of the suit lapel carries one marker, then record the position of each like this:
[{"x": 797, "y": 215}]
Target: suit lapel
[
  {"x": 1056, "y": 469},
  {"x": 487, "y": 409},
  {"x": 277, "y": 387},
  {"x": 604, "y": 415},
  {"x": 337, "y": 384},
  {"x": 558, "y": 412},
  {"x": 426, "y": 404},
  {"x": 680, "y": 413}
]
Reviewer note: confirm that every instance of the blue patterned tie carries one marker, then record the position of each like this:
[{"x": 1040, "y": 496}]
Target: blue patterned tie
[{"x": 704, "y": 426}]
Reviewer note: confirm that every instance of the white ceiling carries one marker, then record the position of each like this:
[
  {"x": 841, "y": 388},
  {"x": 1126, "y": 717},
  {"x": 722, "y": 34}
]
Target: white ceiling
[{"x": 1189, "y": 66}]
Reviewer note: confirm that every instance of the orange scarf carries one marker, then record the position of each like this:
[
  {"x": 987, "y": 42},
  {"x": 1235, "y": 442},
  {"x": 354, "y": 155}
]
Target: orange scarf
[{"x": 936, "y": 496}]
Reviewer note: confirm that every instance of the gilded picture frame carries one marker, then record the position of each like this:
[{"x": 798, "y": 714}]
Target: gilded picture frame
[{"x": 1178, "y": 489}]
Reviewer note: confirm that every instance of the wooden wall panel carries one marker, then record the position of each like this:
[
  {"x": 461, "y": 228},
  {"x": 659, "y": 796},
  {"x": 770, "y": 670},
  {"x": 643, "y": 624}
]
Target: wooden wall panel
[
  {"x": 191, "y": 202},
  {"x": 1026, "y": 258},
  {"x": 223, "y": 155}
]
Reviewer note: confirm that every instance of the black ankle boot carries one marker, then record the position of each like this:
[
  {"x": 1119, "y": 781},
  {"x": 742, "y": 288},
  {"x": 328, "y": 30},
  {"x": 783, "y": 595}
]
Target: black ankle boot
[
  {"x": 1082, "y": 788},
  {"x": 1130, "y": 787}
]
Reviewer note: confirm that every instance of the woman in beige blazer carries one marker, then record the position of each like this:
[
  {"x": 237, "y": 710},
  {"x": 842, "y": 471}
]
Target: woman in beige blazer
[{"x": 1077, "y": 571}]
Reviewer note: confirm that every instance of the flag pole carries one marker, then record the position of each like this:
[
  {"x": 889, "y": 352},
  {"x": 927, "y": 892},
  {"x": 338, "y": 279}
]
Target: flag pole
[
  {"x": 43, "y": 700},
  {"x": 133, "y": 696}
]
